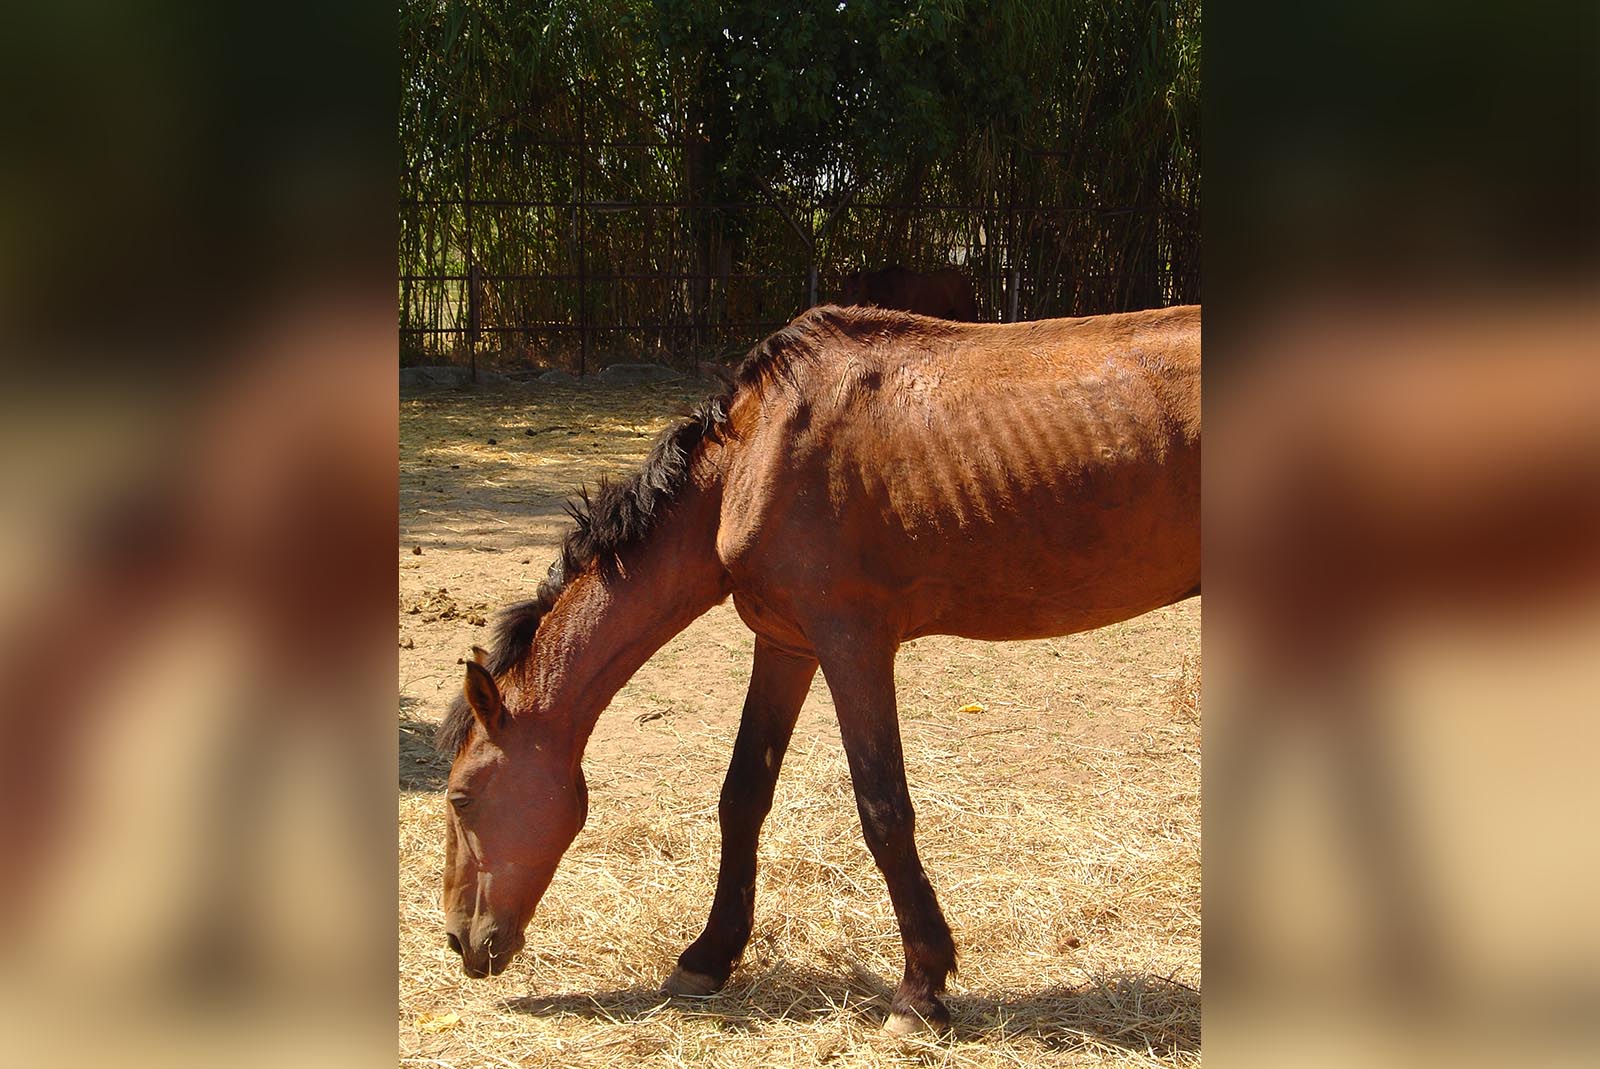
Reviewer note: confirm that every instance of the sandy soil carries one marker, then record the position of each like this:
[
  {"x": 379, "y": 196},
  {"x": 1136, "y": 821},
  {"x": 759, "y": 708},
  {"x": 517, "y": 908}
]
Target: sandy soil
[{"x": 1060, "y": 824}]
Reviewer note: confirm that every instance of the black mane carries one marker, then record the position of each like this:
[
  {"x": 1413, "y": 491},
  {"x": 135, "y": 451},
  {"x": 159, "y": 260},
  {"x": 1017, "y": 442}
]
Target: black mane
[{"x": 622, "y": 514}]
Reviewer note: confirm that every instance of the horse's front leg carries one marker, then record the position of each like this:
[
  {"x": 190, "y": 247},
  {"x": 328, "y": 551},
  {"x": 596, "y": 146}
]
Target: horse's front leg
[
  {"x": 778, "y": 686},
  {"x": 860, "y": 674}
]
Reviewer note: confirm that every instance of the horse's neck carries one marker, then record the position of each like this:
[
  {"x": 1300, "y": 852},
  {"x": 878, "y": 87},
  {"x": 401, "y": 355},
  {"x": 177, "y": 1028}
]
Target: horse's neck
[{"x": 608, "y": 622}]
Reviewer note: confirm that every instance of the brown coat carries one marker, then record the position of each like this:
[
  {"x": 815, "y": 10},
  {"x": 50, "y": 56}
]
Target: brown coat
[{"x": 993, "y": 481}]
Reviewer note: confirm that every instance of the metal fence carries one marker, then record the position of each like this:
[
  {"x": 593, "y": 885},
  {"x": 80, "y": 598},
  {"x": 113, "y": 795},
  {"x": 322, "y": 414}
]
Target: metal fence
[{"x": 591, "y": 272}]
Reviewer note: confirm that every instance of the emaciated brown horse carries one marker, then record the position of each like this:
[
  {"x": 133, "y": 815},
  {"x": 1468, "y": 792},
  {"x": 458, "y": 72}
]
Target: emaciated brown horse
[
  {"x": 943, "y": 294},
  {"x": 870, "y": 477}
]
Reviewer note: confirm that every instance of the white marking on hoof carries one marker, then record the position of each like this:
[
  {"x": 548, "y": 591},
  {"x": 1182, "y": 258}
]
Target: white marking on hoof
[
  {"x": 906, "y": 1024},
  {"x": 685, "y": 984}
]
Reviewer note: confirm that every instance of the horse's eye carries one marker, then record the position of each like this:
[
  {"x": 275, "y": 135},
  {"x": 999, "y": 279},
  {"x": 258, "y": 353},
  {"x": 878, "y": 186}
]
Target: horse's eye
[{"x": 460, "y": 801}]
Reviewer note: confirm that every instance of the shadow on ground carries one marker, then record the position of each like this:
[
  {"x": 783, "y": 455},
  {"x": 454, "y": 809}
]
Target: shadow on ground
[
  {"x": 1140, "y": 1012},
  {"x": 422, "y": 768},
  {"x": 528, "y": 449}
]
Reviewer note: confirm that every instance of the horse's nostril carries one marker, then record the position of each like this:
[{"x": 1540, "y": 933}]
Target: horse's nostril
[{"x": 455, "y": 942}]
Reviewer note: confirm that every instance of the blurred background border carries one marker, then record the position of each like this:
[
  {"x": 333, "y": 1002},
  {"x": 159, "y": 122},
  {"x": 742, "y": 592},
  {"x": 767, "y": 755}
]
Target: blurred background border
[{"x": 198, "y": 296}]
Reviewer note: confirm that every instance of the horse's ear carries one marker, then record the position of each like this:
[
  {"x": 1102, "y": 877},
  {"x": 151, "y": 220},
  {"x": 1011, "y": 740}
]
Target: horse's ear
[
  {"x": 484, "y": 697},
  {"x": 480, "y": 655}
]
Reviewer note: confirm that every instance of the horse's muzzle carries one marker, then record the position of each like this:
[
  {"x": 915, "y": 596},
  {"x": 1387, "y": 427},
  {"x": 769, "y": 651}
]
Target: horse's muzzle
[{"x": 488, "y": 956}]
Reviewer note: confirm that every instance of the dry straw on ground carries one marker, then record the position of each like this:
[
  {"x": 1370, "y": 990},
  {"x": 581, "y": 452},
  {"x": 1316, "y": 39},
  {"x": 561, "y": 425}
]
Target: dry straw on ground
[{"x": 1060, "y": 827}]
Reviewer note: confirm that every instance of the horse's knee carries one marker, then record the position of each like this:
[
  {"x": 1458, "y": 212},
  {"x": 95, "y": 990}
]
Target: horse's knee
[{"x": 889, "y": 827}]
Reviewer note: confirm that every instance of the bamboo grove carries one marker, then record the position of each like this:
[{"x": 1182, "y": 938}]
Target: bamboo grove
[{"x": 668, "y": 180}]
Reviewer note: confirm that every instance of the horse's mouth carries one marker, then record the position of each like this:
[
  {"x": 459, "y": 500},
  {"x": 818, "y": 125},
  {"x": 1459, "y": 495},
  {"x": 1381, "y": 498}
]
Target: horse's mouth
[{"x": 488, "y": 961}]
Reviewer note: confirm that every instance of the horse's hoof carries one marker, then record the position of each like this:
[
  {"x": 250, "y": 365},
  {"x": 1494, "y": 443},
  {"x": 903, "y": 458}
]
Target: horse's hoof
[
  {"x": 906, "y": 1024},
  {"x": 685, "y": 984}
]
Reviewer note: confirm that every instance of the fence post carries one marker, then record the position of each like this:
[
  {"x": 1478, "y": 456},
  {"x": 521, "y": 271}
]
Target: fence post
[
  {"x": 472, "y": 267},
  {"x": 583, "y": 243},
  {"x": 1013, "y": 283},
  {"x": 474, "y": 313}
]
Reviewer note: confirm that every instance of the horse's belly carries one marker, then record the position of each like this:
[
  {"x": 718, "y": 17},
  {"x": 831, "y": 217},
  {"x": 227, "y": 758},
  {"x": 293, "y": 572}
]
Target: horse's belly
[
  {"x": 1041, "y": 598},
  {"x": 1068, "y": 558}
]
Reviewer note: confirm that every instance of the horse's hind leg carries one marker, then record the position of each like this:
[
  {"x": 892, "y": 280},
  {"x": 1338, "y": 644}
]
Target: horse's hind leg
[
  {"x": 860, "y": 673},
  {"x": 778, "y": 686}
]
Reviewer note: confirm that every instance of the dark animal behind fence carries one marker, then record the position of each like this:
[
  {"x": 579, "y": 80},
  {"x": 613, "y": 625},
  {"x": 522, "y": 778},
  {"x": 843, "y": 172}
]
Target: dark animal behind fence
[{"x": 943, "y": 294}]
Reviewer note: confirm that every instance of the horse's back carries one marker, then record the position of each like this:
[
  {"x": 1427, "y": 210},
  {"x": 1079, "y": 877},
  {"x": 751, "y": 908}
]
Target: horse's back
[{"x": 999, "y": 481}]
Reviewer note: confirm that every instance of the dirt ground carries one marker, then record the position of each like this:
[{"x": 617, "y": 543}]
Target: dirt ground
[{"x": 1056, "y": 782}]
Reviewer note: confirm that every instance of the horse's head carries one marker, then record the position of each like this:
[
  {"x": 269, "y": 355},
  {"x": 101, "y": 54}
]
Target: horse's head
[{"x": 517, "y": 800}]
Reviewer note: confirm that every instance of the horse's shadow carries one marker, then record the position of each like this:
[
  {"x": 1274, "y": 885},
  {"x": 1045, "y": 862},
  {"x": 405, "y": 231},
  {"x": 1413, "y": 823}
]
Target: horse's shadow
[{"x": 1135, "y": 1011}]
